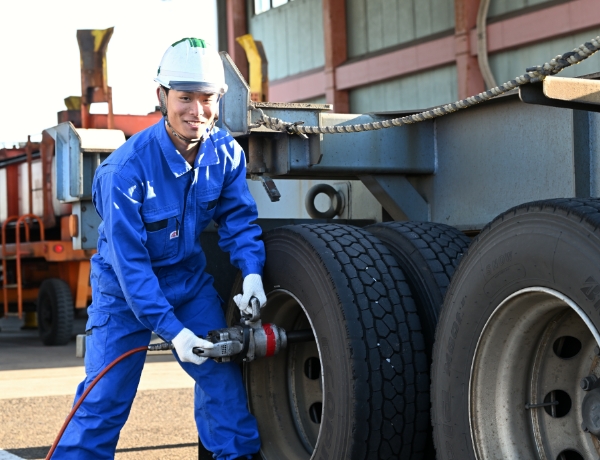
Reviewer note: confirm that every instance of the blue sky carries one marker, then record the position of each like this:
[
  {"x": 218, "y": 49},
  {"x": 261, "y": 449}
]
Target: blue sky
[{"x": 40, "y": 56}]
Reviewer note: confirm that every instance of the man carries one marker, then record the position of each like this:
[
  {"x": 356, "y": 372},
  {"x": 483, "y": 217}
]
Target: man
[{"x": 155, "y": 195}]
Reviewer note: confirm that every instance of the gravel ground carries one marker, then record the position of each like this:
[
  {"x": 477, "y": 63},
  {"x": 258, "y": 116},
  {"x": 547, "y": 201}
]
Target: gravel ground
[{"x": 160, "y": 426}]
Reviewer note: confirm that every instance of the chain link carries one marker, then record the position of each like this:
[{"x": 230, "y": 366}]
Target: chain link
[{"x": 533, "y": 75}]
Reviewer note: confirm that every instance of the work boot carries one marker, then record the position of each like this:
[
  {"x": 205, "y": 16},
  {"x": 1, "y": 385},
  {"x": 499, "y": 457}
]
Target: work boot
[{"x": 203, "y": 454}]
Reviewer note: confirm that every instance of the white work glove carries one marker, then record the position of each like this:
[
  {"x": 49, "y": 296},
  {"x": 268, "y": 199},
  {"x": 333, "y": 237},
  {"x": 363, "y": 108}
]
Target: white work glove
[
  {"x": 252, "y": 287},
  {"x": 185, "y": 341}
]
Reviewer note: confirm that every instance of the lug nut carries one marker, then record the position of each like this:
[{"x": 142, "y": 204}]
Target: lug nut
[{"x": 587, "y": 383}]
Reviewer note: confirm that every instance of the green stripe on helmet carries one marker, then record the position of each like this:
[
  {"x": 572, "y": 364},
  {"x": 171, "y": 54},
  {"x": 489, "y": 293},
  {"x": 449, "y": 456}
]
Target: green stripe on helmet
[{"x": 194, "y": 42}]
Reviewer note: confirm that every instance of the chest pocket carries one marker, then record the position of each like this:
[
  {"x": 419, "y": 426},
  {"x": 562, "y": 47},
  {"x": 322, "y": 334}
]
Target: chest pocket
[
  {"x": 207, "y": 200},
  {"x": 205, "y": 212},
  {"x": 162, "y": 231}
]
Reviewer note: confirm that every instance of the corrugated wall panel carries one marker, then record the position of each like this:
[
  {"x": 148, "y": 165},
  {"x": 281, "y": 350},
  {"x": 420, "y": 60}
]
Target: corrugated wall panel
[
  {"x": 292, "y": 35},
  {"x": 389, "y": 13},
  {"x": 356, "y": 18},
  {"x": 506, "y": 66},
  {"x": 500, "y": 7},
  {"x": 417, "y": 91},
  {"x": 378, "y": 24},
  {"x": 317, "y": 36}
]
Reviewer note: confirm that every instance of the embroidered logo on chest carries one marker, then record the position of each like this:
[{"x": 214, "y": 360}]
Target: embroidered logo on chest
[{"x": 174, "y": 234}]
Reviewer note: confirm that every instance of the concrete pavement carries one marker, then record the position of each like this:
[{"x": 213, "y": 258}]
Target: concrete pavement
[{"x": 37, "y": 384}]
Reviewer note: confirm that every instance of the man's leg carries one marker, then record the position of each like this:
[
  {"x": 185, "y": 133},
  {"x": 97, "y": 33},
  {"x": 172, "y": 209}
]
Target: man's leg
[
  {"x": 94, "y": 430},
  {"x": 224, "y": 423}
]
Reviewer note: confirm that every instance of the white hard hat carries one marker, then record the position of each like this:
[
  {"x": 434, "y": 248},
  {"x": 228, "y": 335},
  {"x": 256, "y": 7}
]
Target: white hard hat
[{"x": 192, "y": 64}]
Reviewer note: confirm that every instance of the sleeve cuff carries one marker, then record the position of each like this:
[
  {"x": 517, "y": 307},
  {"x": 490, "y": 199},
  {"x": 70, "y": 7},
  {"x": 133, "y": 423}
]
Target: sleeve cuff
[
  {"x": 252, "y": 269},
  {"x": 170, "y": 329}
]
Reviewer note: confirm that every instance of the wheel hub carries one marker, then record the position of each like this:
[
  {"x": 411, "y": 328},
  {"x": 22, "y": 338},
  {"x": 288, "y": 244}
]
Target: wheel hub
[
  {"x": 590, "y": 409},
  {"x": 285, "y": 392},
  {"x": 526, "y": 397}
]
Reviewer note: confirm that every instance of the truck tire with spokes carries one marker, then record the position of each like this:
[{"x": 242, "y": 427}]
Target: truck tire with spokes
[
  {"x": 515, "y": 362},
  {"x": 55, "y": 312},
  {"x": 359, "y": 391}
]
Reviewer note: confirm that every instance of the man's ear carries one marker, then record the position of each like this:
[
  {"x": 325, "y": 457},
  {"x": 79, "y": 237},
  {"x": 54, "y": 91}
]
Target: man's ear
[{"x": 162, "y": 100}]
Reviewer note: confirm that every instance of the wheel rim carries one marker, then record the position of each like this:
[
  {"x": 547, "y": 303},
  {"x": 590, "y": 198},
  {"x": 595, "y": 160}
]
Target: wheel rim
[
  {"x": 534, "y": 349},
  {"x": 285, "y": 392}
]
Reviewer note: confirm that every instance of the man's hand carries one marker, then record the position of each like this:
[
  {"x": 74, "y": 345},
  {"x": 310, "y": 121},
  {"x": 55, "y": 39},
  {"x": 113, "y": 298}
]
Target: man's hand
[
  {"x": 185, "y": 341},
  {"x": 252, "y": 287}
]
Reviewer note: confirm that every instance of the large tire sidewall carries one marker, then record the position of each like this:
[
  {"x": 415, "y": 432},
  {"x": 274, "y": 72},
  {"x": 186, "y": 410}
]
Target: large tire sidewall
[
  {"x": 291, "y": 269},
  {"x": 315, "y": 291},
  {"x": 526, "y": 249}
]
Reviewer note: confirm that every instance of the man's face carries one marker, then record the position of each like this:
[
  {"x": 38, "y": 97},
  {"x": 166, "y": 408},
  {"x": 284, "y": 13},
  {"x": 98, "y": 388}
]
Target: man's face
[{"x": 191, "y": 113}]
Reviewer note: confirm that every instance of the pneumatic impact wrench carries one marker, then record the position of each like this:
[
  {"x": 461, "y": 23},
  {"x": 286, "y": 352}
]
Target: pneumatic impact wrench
[
  {"x": 245, "y": 342},
  {"x": 248, "y": 340}
]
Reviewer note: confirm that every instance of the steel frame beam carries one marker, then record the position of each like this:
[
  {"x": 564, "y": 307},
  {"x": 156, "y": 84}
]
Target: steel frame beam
[
  {"x": 469, "y": 78},
  {"x": 237, "y": 25},
  {"x": 398, "y": 197},
  {"x": 336, "y": 52}
]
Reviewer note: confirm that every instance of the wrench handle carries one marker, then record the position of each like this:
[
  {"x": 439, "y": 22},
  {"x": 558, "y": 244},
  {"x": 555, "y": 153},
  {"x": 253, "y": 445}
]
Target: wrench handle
[{"x": 255, "y": 304}]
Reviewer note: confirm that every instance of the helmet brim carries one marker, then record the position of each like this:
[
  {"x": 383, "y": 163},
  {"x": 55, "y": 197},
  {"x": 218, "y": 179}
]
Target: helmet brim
[{"x": 196, "y": 87}]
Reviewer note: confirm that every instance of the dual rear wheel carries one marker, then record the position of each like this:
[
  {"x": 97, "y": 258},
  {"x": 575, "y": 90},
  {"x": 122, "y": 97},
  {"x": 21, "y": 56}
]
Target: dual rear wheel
[
  {"x": 361, "y": 389},
  {"x": 516, "y": 362}
]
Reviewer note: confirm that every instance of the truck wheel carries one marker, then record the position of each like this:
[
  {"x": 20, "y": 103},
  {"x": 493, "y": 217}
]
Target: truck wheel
[
  {"x": 428, "y": 254},
  {"x": 517, "y": 334},
  {"x": 360, "y": 391},
  {"x": 55, "y": 312}
]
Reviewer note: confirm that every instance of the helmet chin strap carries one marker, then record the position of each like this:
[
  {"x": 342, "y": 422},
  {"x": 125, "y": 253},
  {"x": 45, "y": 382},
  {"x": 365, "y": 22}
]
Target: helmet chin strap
[
  {"x": 163, "y": 110},
  {"x": 182, "y": 137}
]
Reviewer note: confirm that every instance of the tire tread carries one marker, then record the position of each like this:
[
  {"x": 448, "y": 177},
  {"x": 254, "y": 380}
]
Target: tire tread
[
  {"x": 429, "y": 254},
  {"x": 379, "y": 311},
  {"x": 59, "y": 293}
]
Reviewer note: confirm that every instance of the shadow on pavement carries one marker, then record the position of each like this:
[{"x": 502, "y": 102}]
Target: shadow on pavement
[{"x": 22, "y": 349}]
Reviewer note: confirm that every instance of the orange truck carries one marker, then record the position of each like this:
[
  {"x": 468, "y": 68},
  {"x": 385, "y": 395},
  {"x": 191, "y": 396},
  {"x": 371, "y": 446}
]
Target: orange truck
[{"x": 44, "y": 279}]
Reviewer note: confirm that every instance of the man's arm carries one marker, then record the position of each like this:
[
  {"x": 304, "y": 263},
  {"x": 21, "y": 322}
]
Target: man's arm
[{"x": 235, "y": 212}]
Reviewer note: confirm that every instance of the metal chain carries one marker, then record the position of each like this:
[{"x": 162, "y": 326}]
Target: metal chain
[{"x": 533, "y": 75}]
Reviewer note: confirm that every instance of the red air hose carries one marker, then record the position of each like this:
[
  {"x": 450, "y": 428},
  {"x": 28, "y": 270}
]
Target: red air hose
[{"x": 86, "y": 392}]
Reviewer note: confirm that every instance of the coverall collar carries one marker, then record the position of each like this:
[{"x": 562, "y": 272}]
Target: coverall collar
[{"x": 206, "y": 156}]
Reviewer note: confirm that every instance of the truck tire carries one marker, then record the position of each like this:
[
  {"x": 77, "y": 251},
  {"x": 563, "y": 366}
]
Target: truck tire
[
  {"x": 517, "y": 334},
  {"x": 55, "y": 312},
  {"x": 361, "y": 390},
  {"x": 428, "y": 254}
]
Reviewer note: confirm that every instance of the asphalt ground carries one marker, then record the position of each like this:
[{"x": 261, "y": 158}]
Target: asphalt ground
[{"x": 37, "y": 384}]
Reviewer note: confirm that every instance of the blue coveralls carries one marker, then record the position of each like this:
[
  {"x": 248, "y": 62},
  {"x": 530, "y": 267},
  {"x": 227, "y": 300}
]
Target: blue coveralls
[{"x": 148, "y": 275}]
